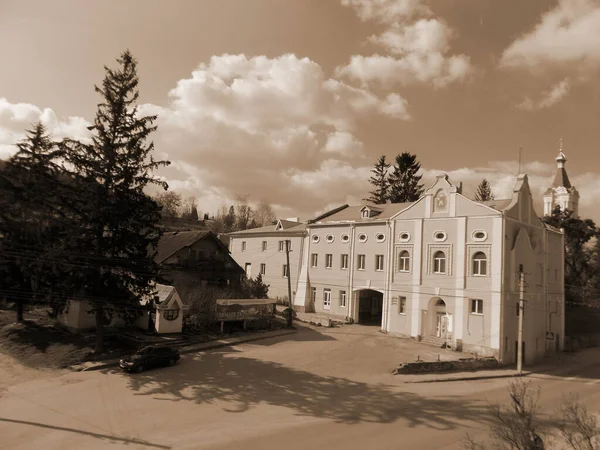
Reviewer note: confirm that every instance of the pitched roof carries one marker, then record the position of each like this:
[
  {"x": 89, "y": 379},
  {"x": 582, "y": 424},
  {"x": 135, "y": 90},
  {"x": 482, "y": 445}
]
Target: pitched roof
[
  {"x": 292, "y": 227},
  {"x": 171, "y": 243},
  {"x": 498, "y": 205},
  {"x": 352, "y": 213},
  {"x": 561, "y": 178}
]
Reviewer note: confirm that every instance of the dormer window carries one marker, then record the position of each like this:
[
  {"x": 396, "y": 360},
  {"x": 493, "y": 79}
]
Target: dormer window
[
  {"x": 365, "y": 213},
  {"x": 369, "y": 211}
]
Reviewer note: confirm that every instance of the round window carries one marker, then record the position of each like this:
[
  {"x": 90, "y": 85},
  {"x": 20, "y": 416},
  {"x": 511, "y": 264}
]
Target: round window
[
  {"x": 330, "y": 238},
  {"x": 480, "y": 235},
  {"x": 380, "y": 237},
  {"x": 345, "y": 238},
  {"x": 404, "y": 237},
  {"x": 315, "y": 238},
  {"x": 439, "y": 236},
  {"x": 362, "y": 237}
]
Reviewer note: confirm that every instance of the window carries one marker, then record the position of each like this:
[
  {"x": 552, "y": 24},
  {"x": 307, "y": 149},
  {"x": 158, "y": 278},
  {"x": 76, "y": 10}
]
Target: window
[
  {"x": 365, "y": 213},
  {"x": 264, "y": 246},
  {"x": 476, "y": 306},
  {"x": 479, "y": 235},
  {"x": 248, "y": 269},
  {"x": 285, "y": 271},
  {"x": 404, "y": 236},
  {"x": 479, "y": 264},
  {"x": 282, "y": 246},
  {"x": 170, "y": 314},
  {"x": 404, "y": 261},
  {"x": 243, "y": 246},
  {"x": 362, "y": 237},
  {"x": 380, "y": 237},
  {"x": 314, "y": 260},
  {"x": 343, "y": 299},
  {"x": 326, "y": 298},
  {"x": 439, "y": 262},
  {"x": 313, "y": 294},
  {"x": 379, "y": 263},
  {"x": 402, "y": 305},
  {"x": 263, "y": 269},
  {"x": 344, "y": 262},
  {"x": 328, "y": 261},
  {"x": 439, "y": 236},
  {"x": 361, "y": 262},
  {"x": 330, "y": 238},
  {"x": 315, "y": 238},
  {"x": 345, "y": 238}
]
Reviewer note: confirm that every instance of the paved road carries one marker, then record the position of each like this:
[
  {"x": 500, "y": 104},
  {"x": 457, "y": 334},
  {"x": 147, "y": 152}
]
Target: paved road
[{"x": 318, "y": 390}]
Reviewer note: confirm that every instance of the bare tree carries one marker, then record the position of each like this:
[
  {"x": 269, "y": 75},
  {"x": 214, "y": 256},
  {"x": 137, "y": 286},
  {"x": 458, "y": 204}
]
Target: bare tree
[
  {"x": 189, "y": 208},
  {"x": 264, "y": 215},
  {"x": 243, "y": 212},
  {"x": 170, "y": 202},
  {"x": 576, "y": 425}
]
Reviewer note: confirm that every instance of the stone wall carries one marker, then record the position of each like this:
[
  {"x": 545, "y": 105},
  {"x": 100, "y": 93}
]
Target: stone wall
[
  {"x": 461, "y": 365},
  {"x": 578, "y": 342}
]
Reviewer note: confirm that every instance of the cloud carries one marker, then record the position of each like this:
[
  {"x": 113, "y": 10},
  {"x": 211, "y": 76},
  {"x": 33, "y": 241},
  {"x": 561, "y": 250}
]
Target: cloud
[
  {"x": 417, "y": 47},
  {"x": 16, "y": 118},
  {"x": 549, "y": 98},
  {"x": 271, "y": 127},
  {"x": 566, "y": 37}
]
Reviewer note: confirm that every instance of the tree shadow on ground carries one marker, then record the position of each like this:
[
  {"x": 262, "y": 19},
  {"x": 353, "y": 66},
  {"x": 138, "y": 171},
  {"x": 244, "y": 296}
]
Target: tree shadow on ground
[{"x": 244, "y": 383}]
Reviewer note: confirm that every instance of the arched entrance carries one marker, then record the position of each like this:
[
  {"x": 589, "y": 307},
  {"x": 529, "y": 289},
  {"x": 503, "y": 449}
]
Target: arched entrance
[
  {"x": 439, "y": 323},
  {"x": 370, "y": 307}
]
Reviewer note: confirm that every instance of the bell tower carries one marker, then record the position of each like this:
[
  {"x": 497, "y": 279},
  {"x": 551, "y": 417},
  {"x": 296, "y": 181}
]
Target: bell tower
[{"x": 561, "y": 193}]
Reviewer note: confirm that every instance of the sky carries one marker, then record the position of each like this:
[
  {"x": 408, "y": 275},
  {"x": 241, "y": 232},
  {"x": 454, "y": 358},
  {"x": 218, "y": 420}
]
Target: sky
[{"x": 293, "y": 101}]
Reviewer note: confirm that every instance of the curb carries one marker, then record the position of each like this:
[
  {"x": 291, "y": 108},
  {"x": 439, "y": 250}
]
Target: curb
[
  {"x": 481, "y": 377},
  {"x": 197, "y": 348}
]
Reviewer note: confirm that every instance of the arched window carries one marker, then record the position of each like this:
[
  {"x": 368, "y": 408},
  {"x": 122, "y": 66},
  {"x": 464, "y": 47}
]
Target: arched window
[
  {"x": 404, "y": 261},
  {"x": 439, "y": 262},
  {"x": 479, "y": 264}
]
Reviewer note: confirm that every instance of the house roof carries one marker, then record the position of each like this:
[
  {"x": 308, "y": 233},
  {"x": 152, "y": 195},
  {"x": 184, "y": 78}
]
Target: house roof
[
  {"x": 172, "y": 242},
  {"x": 352, "y": 213},
  {"x": 561, "y": 178},
  {"x": 287, "y": 227},
  {"x": 498, "y": 205}
]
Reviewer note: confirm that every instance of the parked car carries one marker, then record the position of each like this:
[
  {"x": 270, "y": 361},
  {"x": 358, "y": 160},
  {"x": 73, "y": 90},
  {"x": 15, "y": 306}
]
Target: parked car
[{"x": 149, "y": 357}]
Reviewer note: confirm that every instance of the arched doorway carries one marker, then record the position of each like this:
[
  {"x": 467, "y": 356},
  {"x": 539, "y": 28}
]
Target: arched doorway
[
  {"x": 438, "y": 322},
  {"x": 370, "y": 307}
]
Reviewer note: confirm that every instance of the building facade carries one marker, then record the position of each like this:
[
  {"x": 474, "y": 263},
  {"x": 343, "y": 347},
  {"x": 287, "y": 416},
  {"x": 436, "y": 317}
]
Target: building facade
[
  {"x": 262, "y": 251},
  {"x": 443, "y": 268}
]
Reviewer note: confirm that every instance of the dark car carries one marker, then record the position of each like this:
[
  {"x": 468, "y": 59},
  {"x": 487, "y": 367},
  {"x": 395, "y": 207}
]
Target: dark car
[{"x": 149, "y": 357}]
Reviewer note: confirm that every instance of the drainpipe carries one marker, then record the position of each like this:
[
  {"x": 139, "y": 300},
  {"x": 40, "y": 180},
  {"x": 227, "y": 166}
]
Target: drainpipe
[{"x": 352, "y": 303}]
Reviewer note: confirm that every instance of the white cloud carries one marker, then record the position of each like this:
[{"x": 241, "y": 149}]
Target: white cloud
[
  {"x": 548, "y": 98},
  {"x": 16, "y": 118},
  {"x": 269, "y": 127},
  {"x": 387, "y": 11},
  {"x": 566, "y": 36},
  {"x": 419, "y": 51}
]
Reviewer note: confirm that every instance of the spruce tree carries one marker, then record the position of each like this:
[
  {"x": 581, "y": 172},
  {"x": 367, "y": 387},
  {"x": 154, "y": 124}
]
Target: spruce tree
[
  {"x": 404, "y": 181},
  {"x": 379, "y": 181},
  {"x": 484, "y": 192},
  {"x": 31, "y": 208},
  {"x": 119, "y": 221}
]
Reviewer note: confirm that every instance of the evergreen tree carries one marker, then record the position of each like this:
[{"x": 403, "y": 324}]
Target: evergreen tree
[
  {"x": 404, "y": 181},
  {"x": 229, "y": 220},
  {"x": 31, "y": 210},
  {"x": 119, "y": 222},
  {"x": 379, "y": 181},
  {"x": 484, "y": 192}
]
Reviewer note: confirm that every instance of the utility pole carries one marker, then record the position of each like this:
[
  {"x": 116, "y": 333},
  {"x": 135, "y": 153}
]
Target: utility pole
[
  {"x": 289, "y": 273},
  {"x": 521, "y": 313}
]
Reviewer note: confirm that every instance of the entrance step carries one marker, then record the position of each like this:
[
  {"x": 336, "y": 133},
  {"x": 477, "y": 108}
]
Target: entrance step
[{"x": 434, "y": 341}]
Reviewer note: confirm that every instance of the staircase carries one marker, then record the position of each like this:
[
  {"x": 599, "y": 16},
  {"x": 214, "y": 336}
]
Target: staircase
[{"x": 434, "y": 341}]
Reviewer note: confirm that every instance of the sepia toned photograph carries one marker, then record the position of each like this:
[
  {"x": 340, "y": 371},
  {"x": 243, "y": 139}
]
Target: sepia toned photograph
[{"x": 300, "y": 224}]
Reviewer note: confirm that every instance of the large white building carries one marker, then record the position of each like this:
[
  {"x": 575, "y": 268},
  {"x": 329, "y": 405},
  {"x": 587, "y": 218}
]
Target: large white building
[{"x": 442, "y": 269}]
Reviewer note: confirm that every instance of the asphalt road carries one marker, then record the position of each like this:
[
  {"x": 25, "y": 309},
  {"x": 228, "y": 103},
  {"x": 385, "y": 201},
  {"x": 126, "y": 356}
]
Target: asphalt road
[{"x": 323, "y": 389}]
